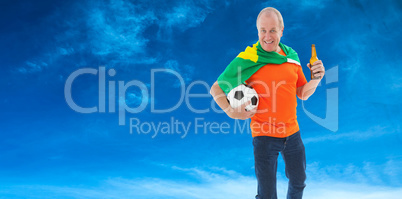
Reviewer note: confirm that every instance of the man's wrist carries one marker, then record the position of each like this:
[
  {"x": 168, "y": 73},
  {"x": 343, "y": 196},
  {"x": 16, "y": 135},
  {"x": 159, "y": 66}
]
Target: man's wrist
[
  {"x": 315, "y": 81},
  {"x": 228, "y": 110}
]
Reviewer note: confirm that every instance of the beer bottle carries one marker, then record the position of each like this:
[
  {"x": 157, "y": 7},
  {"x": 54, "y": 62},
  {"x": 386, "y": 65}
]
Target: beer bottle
[{"x": 312, "y": 60}]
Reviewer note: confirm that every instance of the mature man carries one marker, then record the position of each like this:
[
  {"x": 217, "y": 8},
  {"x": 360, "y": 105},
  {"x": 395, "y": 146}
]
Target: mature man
[{"x": 274, "y": 71}]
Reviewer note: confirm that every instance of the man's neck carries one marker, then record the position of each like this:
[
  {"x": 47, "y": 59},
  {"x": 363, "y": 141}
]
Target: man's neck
[{"x": 278, "y": 49}]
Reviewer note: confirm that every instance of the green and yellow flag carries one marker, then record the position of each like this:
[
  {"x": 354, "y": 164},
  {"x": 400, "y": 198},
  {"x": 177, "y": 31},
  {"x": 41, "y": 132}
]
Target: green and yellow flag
[{"x": 250, "y": 61}]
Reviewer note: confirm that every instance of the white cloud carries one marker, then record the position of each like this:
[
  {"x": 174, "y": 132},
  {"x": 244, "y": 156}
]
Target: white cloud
[
  {"x": 32, "y": 67},
  {"x": 115, "y": 31},
  {"x": 212, "y": 183},
  {"x": 186, "y": 71},
  {"x": 393, "y": 171},
  {"x": 117, "y": 28},
  {"x": 365, "y": 173},
  {"x": 373, "y": 132},
  {"x": 135, "y": 98},
  {"x": 335, "y": 190},
  {"x": 186, "y": 15}
]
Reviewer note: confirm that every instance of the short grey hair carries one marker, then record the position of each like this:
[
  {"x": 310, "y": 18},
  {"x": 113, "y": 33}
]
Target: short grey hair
[{"x": 269, "y": 10}]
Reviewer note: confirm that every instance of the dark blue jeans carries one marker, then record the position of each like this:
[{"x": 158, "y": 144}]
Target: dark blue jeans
[{"x": 266, "y": 151}]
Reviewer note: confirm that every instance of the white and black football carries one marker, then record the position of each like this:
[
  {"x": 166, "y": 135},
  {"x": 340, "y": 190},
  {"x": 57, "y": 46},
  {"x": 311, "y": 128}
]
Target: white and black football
[{"x": 241, "y": 94}]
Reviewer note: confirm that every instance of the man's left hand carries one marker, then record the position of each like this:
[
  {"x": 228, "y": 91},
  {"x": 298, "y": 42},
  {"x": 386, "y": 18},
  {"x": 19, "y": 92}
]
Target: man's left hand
[{"x": 317, "y": 69}]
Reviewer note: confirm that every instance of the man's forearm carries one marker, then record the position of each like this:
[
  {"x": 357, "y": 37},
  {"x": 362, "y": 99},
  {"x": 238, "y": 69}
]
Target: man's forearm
[
  {"x": 309, "y": 88},
  {"x": 219, "y": 97},
  {"x": 239, "y": 112}
]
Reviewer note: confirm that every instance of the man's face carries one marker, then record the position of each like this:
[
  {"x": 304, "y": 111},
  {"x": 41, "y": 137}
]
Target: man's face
[{"x": 269, "y": 32}]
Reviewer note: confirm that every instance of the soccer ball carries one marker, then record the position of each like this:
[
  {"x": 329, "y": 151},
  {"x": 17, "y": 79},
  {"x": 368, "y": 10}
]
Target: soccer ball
[{"x": 241, "y": 94}]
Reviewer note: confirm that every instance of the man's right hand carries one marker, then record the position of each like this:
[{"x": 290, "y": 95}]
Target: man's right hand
[
  {"x": 240, "y": 112},
  {"x": 235, "y": 113}
]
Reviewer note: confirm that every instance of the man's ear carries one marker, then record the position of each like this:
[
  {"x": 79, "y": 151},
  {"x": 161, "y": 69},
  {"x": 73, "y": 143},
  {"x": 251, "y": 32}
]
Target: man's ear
[{"x": 282, "y": 32}]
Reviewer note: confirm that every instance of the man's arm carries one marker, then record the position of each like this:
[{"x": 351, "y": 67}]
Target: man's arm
[
  {"x": 305, "y": 91},
  {"x": 235, "y": 113}
]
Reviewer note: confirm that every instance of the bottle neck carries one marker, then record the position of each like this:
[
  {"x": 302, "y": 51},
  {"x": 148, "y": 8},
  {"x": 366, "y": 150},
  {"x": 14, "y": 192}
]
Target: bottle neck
[{"x": 313, "y": 52}]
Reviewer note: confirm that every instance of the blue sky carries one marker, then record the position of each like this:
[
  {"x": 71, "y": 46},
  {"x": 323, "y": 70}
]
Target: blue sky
[{"x": 50, "y": 150}]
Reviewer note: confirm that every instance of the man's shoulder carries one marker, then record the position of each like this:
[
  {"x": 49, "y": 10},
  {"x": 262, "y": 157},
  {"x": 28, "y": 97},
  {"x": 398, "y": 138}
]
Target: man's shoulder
[{"x": 286, "y": 48}]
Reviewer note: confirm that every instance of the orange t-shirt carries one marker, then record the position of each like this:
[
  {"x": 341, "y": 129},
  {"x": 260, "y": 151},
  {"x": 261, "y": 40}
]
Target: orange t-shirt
[{"x": 276, "y": 86}]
